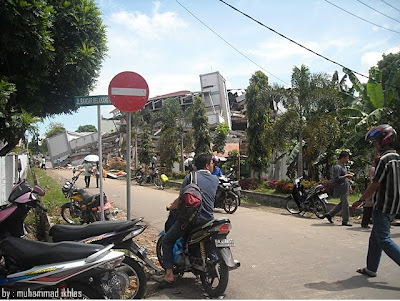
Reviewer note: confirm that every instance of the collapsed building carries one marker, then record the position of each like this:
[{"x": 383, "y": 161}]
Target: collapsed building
[{"x": 222, "y": 105}]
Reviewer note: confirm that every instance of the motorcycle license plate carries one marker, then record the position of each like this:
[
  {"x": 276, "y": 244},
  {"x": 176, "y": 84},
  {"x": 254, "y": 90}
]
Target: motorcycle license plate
[
  {"x": 221, "y": 243},
  {"x": 323, "y": 196},
  {"x": 237, "y": 188}
]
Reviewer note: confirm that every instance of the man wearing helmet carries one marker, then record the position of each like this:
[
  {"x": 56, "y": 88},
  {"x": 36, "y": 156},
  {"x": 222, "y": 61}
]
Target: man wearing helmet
[{"x": 385, "y": 192}]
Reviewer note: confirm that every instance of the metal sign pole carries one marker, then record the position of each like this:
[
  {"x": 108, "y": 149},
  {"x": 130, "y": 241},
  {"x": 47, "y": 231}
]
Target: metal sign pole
[
  {"x": 100, "y": 171},
  {"x": 128, "y": 166}
]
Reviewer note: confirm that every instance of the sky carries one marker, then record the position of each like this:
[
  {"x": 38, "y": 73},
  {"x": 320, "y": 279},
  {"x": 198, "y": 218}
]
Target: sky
[{"x": 171, "y": 42}]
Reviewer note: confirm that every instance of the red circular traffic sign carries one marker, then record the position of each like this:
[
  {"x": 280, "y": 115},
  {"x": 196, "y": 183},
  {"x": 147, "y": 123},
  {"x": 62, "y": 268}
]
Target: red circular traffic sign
[{"x": 128, "y": 91}]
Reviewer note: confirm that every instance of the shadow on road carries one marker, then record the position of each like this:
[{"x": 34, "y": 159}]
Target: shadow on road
[
  {"x": 183, "y": 288},
  {"x": 353, "y": 282}
]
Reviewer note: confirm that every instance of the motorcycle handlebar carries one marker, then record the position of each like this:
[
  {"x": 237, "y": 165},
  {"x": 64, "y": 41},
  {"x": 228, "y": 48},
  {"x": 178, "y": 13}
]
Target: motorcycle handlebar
[{"x": 42, "y": 207}]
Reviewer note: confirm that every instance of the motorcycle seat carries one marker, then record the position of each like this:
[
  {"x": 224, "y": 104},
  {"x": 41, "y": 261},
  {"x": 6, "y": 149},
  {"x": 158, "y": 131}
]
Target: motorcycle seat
[
  {"x": 87, "y": 197},
  {"x": 210, "y": 224},
  {"x": 75, "y": 232},
  {"x": 32, "y": 253}
]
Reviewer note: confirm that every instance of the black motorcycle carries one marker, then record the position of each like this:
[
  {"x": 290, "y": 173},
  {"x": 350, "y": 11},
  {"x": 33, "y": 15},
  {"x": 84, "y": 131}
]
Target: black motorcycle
[
  {"x": 206, "y": 252},
  {"x": 302, "y": 200},
  {"x": 139, "y": 175},
  {"x": 154, "y": 177},
  {"x": 228, "y": 194},
  {"x": 83, "y": 208}
]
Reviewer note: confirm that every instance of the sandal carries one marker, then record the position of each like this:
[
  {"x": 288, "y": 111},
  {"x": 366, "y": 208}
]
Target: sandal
[{"x": 366, "y": 272}]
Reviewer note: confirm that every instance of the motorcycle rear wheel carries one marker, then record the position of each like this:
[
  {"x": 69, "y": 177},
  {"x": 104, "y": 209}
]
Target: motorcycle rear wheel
[
  {"x": 159, "y": 251},
  {"x": 137, "y": 278},
  {"x": 231, "y": 203},
  {"x": 215, "y": 279},
  {"x": 72, "y": 214},
  {"x": 83, "y": 291},
  {"x": 158, "y": 182},
  {"x": 319, "y": 209},
  {"x": 292, "y": 206}
]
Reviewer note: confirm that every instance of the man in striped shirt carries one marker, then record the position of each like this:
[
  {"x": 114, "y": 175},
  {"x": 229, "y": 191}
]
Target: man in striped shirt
[{"x": 385, "y": 191}]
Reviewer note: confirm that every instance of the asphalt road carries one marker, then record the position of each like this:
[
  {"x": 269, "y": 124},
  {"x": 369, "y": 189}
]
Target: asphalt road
[{"x": 282, "y": 256}]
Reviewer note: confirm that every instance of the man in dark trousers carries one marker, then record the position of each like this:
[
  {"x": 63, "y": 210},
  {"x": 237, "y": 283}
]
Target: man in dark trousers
[
  {"x": 341, "y": 189},
  {"x": 384, "y": 190},
  {"x": 208, "y": 184}
]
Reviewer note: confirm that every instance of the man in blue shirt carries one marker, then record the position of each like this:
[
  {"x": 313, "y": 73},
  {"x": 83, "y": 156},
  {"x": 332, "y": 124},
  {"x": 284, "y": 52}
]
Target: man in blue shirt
[
  {"x": 216, "y": 171},
  {"x": 208, "y": 185}
]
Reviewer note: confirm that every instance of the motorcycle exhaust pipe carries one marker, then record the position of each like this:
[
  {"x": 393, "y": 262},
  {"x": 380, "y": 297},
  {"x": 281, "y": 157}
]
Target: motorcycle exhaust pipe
[{"x": 237, "y": 264}]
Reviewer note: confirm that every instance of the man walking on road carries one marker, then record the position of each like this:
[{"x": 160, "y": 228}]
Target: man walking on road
[
  {"x": 386, "y": 198},
  {"x": 341, "y": 189}
]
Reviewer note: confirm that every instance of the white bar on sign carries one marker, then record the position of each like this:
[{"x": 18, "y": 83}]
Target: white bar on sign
[{"x": 128, "y": 91}]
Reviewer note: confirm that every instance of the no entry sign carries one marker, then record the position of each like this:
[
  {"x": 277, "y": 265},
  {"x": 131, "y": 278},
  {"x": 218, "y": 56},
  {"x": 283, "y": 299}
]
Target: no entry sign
[{"x": 128, "y": 91}]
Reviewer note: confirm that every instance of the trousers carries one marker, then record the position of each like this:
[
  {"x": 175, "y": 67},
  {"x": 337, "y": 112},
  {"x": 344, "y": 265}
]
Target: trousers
[
  {"x": 343, "y": 206},
  {"x": 380, "y": 240}
]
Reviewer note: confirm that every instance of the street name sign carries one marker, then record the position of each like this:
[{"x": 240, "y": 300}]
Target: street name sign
[
  {"x": 98, "y": 100},
  {"x": 128, "y": 91}
]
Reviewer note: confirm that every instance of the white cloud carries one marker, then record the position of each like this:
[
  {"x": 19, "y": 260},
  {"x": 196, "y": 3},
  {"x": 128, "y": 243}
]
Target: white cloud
[
  {"x": 155, "y": 26},
  {"x": 371, "y": 58}
]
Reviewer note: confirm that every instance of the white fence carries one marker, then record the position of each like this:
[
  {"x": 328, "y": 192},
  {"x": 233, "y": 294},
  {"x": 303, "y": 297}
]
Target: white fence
[{"x": 9, "y": 174}]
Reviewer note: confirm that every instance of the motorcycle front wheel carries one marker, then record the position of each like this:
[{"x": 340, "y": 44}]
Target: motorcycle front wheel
[
  {"x": 319, "y": 209},
  {"x": 71, "y": 213},
  {"x": 215, "y": 278},
  {"x": 292, "y": 206},
  {"x": 231, "y": 203}
]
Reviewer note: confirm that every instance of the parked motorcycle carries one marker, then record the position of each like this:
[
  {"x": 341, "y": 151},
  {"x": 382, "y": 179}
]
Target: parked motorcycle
[
  {"x": 206, "y": 252},
  {"x": 119, "y": 234},
  {"x": 83, "y": 207},
  {"x": 302, "y": 201},
  {"x": 228, "y": 194},
  {"x": 30, "y": 266},
  {"x": 154, "y": 177},
  {"x": 32, "y": 269},
  {"x": 139, "y": 175}
]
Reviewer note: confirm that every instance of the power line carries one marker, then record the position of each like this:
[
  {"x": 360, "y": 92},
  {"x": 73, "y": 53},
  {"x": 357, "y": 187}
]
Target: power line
[
  {"x": 289, "y": 39},
  {"x": 361, "y": 18},
  {"x": 240, "y": 52},
  {"x": 390, "y": 5},
  {"x": 378, "y": 11}
]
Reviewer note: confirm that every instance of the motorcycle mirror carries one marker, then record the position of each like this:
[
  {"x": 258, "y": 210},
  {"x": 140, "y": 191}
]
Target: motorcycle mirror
[{"x": 37, "y": 189}]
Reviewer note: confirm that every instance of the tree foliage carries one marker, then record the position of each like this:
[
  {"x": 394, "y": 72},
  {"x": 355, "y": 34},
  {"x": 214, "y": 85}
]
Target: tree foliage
[
  {"x": 202, "y": 136},
  {"x": 219, "y": 141},
  {"x": 54, "y": 129},
  {"x": 50, "y": 51},
  {"x": 171, "y": 132},
  {"x": 258, "y": 109},
  {"x": 86, "y": 128},
  {"x": 146, "y": 149}
]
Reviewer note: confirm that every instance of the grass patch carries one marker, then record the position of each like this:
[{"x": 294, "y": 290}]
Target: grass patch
[
  {"x": 53, "y": 198},
  {"x": 352, "y": 198}
]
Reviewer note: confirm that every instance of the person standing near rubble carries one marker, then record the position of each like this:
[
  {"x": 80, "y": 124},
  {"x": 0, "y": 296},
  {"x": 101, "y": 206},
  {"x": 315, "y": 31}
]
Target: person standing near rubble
[{"x": 88, "y": 172}]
